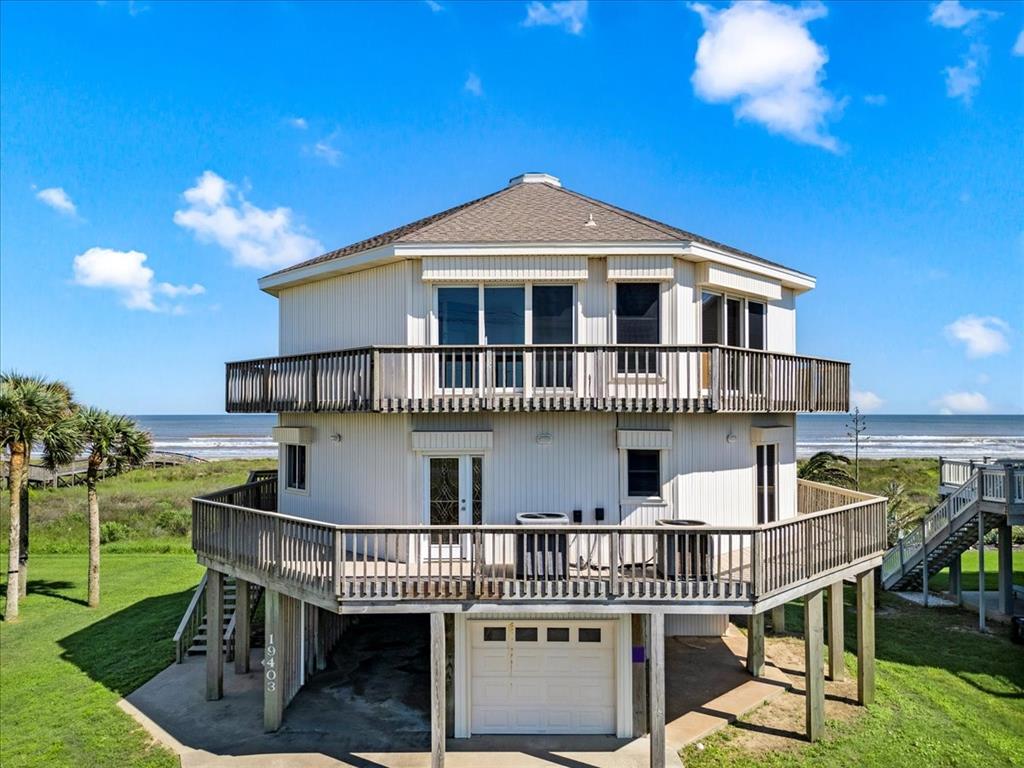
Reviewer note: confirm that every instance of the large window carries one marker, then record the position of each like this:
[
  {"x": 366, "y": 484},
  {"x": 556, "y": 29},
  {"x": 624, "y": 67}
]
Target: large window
[
  {"x": 643, "y": 474},
  {"x": 553, "y": 311},
  {"x": 637, "y": 321},
  {"x": 732, "y": 321},
  {"x": 505, "y": 323},
  {"x": 295, "y": 467},
  {"x": 767, "y": 478},
  {"x": 458, "y": 323}
]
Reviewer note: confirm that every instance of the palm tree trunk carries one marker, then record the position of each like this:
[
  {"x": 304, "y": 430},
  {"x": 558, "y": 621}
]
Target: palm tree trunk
[
  {"x": 16, "y": 471},
  {"x": 23, "y": 539},
  {"x": 94, "y": 533}
]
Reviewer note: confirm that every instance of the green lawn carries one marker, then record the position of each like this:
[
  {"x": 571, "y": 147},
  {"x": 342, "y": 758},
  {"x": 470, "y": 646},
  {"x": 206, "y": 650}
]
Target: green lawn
[
  {"x": 946, "y": 696},
  {"x": 145, "y": 510},
  {"x": 64, "y": 666},
  {"x": 969, "y": 571}
]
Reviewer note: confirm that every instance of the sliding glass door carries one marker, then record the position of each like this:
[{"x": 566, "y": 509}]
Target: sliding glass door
[{"x": 553, "y": 313}]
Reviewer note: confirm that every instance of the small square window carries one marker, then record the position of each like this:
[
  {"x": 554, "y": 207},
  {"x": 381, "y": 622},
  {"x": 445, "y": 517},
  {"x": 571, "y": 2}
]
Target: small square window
[
  {"x": 295, "y": 467},
  {"x": 590, "y": 634},
  {"x": 494, "y": 634},
  {"x": 558, "y": 634},
  {"x": 526, "y": 634},
  {"x": 643, "y": 474}
]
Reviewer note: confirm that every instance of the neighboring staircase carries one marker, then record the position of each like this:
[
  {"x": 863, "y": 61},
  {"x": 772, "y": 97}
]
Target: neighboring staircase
[
  {"x": 192, "y": 636},
  {"x": 946, "y": 532}
]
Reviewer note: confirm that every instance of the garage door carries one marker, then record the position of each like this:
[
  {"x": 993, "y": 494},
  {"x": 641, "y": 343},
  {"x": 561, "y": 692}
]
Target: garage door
[{"x": 542, "y": 676}]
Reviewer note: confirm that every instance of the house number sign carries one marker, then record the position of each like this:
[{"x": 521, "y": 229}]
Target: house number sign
[{"x": 270, "y": 664}]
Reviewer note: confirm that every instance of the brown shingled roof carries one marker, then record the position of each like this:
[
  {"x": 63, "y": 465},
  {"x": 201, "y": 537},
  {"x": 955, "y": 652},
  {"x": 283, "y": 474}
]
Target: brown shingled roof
[{"x": 536, "y": 212}]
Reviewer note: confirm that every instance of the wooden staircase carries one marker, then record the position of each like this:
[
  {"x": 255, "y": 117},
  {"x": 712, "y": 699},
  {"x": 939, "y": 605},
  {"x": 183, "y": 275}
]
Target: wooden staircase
[
  {"x": 942, "y": 536},
  {"x": 192, "y": 636}
]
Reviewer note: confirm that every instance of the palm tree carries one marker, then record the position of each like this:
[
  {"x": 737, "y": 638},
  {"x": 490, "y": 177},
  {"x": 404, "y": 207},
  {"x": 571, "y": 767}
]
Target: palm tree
[
  {"x": 114, "y": 442},
  {"x": 32, "y": 409},
  {"x": 827, "y": 467}
]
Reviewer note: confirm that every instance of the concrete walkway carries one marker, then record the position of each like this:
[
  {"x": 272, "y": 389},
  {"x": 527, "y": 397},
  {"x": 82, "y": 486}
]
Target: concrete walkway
[{"x": 369, "y": 712}]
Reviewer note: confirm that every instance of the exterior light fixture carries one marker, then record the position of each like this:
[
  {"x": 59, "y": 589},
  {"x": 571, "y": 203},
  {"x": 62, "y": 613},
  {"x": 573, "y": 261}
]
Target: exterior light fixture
[{"x": 544, "y": 438}]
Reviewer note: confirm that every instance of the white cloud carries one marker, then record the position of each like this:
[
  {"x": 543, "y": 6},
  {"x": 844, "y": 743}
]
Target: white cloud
[
  {"x": 1018, "y": 46},
  {"x": 951, "y": 15},
  {"x": 761, "y": 56},
  {"x": 433, "y": 5},
  {"x": 219, "y": 213},
  {"x": 326, "y": 151},
  {"x": 58, "y": 199},
  {"x": 865, "y": 400},
  {"x": 982, "y": 336},
  {"x": 298, "y": 122},
  {"x": 963, "y": 402},
  {"x": 125, "y": 273},
  {"x": 571, "y": 14},
  {"x": 963, "y": 80},
  {"x": 876, "y": 99},
  {"x": 473, "y": 84}
]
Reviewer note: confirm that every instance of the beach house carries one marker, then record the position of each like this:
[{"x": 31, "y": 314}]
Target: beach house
[{"x": 557, "y": 432}]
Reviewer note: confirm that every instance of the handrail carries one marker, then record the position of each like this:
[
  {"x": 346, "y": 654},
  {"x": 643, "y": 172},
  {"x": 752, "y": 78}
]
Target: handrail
[
  {"x": 721, "y": 564},
  {"x": 188, "y": 627}
]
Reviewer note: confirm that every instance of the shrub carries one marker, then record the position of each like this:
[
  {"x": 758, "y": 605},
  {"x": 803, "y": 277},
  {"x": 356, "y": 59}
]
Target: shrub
[
  {"x": 112, "y": 531},
  {"x": 177, "y": 522}
]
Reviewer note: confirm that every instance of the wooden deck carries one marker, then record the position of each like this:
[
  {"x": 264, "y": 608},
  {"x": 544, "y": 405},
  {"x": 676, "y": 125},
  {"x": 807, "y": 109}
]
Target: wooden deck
[
  {"x": 720, "y": 569},
  {"x": 74, "y": 473},
  {"x": 616, "y": 378}
]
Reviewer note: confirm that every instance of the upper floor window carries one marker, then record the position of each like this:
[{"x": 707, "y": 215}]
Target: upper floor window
[
  {"x": 767, "y": 469},
  {"x": 295, "y": 467},
  {"x": 733, "y": 321},
  {"x": 637, "y": 321}
]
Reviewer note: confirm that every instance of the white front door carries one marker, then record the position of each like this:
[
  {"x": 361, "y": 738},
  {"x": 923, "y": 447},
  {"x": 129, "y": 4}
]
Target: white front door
[
  {"x": 542, "y": 676},
  {"x": 454, "y": 494}
]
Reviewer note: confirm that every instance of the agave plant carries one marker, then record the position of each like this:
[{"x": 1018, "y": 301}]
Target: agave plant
[{"x": 827, "y": 467}]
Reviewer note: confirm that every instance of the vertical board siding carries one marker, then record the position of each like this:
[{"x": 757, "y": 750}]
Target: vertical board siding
[
  {"x": 504, "y": 268},
  {"x": 595, "y": 297},
  {"x": 782, "y": 323},
  {"x": 641, "y": 267},
  {"x": 368, "y": 307},
  {"x": 373, "y": 476},
  {"x": 720, "y": 277},
  {"x": 696, "y": 625}
]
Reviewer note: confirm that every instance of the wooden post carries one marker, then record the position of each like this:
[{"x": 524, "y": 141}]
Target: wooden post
[
  {"x": 214, "y": 635},
  {"x": 437, "y": 690},
  {"x": 755, "y": 644},
  {"x": 273, "y": 663},
  {"x": 866, "y": 638},
  {"x": 981, "y": 561},
  {"x": 323, "y": 626},
  {"x": 656, "y": 689},
  {"x": 243, "y": 628},
  {"x": 924, "y": 565},
  {"x": 779, "y": 619},
  {"x": 814, "y": 676},
  {"x": 1006, "y": 565},
  {"x": 836, "y": 632},
  {"x": 955, "y": 583},
  {"x": 639, "y": 640}
]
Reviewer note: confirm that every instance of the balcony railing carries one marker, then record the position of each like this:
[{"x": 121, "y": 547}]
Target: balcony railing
[
  {"x": 672, "y": 379},
  {"x": 717, "y": 565}
]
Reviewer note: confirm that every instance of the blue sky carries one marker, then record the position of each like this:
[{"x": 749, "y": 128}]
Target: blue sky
[{"x": 877, "y": 147}]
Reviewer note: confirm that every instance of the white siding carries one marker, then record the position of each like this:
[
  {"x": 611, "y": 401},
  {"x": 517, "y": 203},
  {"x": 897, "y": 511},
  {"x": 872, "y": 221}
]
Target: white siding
[
  {"x": 640, "y": 268},
  {"x": 373, "y": 306},
  {"x": 595, "y": 296},
  {"x": 782, "y": 323},
  {"x": 724, "y": 278},
  {"x": 517, "y": 269},
  {"x": 696, "y": 625}
]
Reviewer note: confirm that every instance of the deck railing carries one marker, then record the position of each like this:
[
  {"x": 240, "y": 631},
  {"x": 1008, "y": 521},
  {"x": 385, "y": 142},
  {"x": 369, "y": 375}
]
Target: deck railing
[
  {"x": 539, "y": 377},
  {"x": 706, "y": 564}
]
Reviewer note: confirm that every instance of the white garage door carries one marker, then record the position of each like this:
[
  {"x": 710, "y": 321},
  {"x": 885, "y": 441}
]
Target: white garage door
[{"x": 542, "y": 676}]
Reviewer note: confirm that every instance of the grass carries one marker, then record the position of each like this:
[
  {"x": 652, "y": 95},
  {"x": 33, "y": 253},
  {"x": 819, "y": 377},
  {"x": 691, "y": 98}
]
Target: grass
[
  {"x": 946, "y": 696},
  {"x": 969, "y": 572},
  {"x": 64, "y": 665},
  {"x": 145, "y": 510}
]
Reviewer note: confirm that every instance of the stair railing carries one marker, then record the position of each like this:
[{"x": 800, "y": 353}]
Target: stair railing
[
  {"x": 254, "y": 593},
  {"x": 189, "y": 625},
  {"x": 936, "y": 523}
]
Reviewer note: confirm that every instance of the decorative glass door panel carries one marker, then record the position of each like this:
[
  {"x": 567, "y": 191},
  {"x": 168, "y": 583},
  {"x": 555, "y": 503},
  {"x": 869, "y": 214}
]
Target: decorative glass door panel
[{"x": 454, "y": 497}]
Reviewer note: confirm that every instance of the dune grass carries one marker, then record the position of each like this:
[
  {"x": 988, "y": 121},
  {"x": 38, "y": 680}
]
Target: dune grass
[
  {"x": 145, "y": 510},
  {"x": 63, "y": 666}
]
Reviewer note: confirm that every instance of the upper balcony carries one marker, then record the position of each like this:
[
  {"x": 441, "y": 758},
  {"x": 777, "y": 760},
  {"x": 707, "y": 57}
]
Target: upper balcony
[{"x": 609, "y": 378}]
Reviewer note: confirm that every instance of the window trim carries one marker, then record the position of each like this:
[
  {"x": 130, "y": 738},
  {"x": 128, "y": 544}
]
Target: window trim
[
  {"x": 288, "y": 488},
  {"x": 624, "y": 496},
  {"x": 723, "y": 317}
]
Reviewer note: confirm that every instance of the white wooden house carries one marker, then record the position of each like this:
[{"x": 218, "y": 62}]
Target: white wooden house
[{"x": 535, "y": 351}]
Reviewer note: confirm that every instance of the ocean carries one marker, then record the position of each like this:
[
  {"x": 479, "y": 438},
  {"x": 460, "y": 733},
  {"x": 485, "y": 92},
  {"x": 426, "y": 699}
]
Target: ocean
[{"x": 248, "y": 436}]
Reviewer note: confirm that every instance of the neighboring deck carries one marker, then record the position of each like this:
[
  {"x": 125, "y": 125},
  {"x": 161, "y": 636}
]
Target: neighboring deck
[
  {"x": 616, "y": 378},
  {"x": 740, "y": 569}
]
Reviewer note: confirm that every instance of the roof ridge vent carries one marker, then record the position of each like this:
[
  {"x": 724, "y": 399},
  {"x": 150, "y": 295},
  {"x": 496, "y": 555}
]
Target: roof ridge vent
[{"x": 534, "y": 178}]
